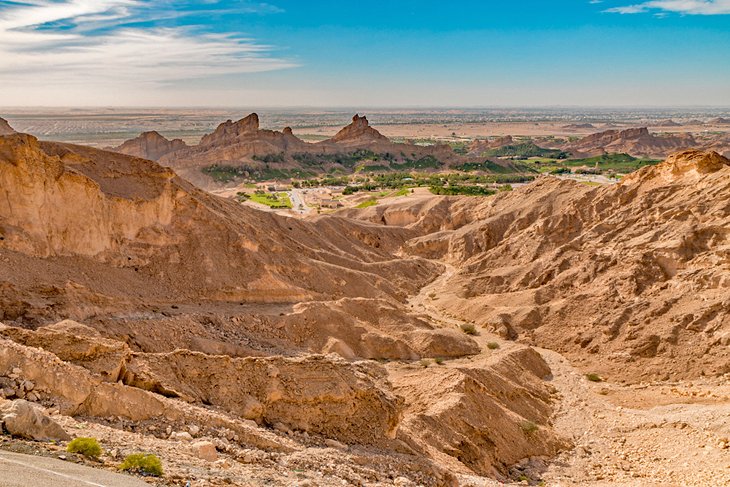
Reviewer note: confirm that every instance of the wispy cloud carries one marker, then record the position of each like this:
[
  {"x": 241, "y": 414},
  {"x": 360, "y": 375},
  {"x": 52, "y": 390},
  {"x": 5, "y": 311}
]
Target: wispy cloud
[
  {"x": 123, "y": 42},
  {"x": 686, "y": 7}
]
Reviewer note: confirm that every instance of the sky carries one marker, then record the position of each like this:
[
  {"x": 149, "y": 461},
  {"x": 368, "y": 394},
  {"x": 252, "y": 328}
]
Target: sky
[{"x": 378, "y": 53}]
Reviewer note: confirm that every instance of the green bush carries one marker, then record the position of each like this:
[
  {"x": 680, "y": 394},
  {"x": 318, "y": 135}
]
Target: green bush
[
  {"x": 469, "y": 329},
  {"x": 142, "y": 463},
  {"x": 87, "y": 447},
  {"x": 594, "y": 378},
  {"x": 492, "y": 345},
  {"x": 439, "y": 360}
]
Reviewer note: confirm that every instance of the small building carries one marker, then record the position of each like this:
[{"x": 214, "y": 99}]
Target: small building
[{"x": 330, "y": 204}]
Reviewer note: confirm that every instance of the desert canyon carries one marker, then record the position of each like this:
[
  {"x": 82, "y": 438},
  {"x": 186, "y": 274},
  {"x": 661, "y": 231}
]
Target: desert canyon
[{"x": 558, "y": 333}]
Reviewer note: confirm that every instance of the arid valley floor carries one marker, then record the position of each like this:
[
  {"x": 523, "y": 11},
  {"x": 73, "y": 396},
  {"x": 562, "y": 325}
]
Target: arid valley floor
[{"x": 446, "y": 298}]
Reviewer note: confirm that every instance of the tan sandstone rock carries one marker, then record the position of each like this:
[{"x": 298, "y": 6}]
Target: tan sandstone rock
[
  {"x": 205, "y": 450},
  {"x": 22, "y": 418}
]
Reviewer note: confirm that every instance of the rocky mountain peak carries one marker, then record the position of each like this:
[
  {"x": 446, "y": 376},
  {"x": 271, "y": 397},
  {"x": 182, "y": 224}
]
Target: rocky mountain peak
[
  {"x": 229, "y": 130},
  {"x": 359, "y": 129}
]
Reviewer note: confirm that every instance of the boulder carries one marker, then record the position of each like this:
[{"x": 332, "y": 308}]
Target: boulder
[
  {"x": 205, "y": 450},
  {"x": 21, "y": 418}
]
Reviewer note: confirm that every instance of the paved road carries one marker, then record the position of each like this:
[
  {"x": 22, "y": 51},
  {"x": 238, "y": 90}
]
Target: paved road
[
  {"x": 297, "y": 200},
  {"x": 17, "y": 470}
]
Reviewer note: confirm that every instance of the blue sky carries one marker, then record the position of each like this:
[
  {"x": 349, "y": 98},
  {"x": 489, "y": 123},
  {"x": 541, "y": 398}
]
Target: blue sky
[{"x": 378, "y": 53}]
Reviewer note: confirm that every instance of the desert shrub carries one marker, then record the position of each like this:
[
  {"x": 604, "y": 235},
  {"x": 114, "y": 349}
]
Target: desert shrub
[
  {"x": 424, "y": 362},
  {"x": 142, "y": 463},
  {"x": 492, "y": 345},
  {"x": 87, "y": 447},
  {"x": 594, "y": 378},
  {"x": 438, "y": 360},
  {"x": 528, "y": 427},
  {"x": 469, "y": 329}
]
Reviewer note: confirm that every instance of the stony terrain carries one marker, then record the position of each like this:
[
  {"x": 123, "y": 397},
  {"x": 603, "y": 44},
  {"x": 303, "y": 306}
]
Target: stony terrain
[{"x": 435, "y": 341}]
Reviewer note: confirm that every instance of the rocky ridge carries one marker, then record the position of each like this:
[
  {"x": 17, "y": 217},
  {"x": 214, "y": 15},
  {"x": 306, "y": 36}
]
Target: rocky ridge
[
  {"x": 244, "y": 145},
  {"x": 634, "y": 141}
]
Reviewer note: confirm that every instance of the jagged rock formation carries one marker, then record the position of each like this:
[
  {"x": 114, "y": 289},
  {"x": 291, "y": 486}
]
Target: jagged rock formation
[
  {"x": 331, "y": 397},
  {"x": 327, "y": 397},
  {"x": 359, "y": 131},
  {"x": 230, "y": 131},
  {"x": 248, "y": 148},
  {"x": 150, "y": 145},
  {"x": 635, "y": 141},
  {"x": 5, "y": 128},
  {"x": 236, "y": 142}
]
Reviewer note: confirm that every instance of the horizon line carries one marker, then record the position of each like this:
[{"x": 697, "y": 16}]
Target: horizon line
[{"x": 368, "y": 107}]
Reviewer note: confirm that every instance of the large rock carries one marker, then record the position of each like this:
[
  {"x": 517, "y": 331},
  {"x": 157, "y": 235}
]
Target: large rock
[
  {"x": 21, "y": 418},
  {"x": 205, "y": 450},
  {"x": 150, "y": 145}
]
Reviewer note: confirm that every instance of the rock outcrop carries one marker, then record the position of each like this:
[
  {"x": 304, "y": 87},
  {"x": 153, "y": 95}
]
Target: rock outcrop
[
  {"x": 24, "y": 419},
  {"x": 5, "y": 128},
  {"x": 635, "y": 141},
  {"x": 150, "y": 145},
  {"x": 230, "y": 131},
  {"x": 371, "y": 329},
  {"x": 77, "y": 344},
  {"x": 358, "y": 131},
  {"x": 247, "y": 151}
]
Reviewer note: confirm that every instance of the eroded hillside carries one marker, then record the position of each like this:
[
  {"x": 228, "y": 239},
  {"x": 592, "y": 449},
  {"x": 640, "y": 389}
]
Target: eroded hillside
[{"x": 386, "y": 346}]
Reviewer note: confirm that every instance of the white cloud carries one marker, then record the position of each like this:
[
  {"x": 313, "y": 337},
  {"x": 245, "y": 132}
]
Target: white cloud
[
  {"x": 687, "y": 7},
  {"x": 52, "y": 43}
]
